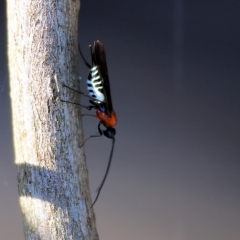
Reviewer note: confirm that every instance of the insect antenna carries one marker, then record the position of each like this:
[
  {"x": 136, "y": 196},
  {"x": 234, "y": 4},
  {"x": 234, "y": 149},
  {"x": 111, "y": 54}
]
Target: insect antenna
[
  {"x": 85, "y": 61},
  {"x": 89, "y": 138},
  {"x": 105, "y": 176}
]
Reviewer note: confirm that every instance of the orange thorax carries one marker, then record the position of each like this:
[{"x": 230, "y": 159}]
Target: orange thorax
[{"x": 108, "y": 121}]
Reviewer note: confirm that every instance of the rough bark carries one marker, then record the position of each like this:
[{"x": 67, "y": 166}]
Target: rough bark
[{"x": 52, "y": 174}]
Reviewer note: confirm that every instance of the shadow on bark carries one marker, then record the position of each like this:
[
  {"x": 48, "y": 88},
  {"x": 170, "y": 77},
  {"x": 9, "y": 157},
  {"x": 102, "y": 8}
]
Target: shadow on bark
[{"x": 44, "y": 184}]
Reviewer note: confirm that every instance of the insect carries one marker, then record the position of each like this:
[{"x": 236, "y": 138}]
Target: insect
[{"x": 100, "y": 98}]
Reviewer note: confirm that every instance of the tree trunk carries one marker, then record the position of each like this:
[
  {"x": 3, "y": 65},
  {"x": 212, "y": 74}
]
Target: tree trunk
[{"x": 52, "y": 173}]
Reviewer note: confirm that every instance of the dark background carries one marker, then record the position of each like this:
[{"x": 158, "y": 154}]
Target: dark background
[{"x": 174, "y": 72}]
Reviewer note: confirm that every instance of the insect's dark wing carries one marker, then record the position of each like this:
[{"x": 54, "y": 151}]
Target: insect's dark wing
[{"x": 99, "y": 59}]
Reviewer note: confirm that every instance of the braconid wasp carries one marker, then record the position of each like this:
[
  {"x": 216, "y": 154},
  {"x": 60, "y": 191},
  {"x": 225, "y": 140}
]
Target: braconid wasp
[{"x": 100, "y": 98}]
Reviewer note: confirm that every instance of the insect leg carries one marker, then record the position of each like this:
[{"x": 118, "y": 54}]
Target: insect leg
[
  {"x": 90, "y": 46},
  {"x": 86, "y": 107},
  {"x": 85, "y": 61},
  {"x": 72, "y": 89},
  {"x": 88, "y": 115},
  {"x": 85, "y": 95}
]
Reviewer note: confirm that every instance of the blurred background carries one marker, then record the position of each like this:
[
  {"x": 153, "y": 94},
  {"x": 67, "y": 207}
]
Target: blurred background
[{"x": 174, "y": 72}]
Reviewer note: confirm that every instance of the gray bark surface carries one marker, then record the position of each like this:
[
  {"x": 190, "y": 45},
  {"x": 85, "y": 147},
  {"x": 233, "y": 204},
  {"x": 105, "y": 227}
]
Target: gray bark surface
[{"x": 52, "y": 175}]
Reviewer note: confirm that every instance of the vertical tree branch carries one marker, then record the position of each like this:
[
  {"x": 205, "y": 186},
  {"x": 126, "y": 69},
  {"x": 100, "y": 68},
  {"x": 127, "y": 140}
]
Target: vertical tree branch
[{"x": 52, "y": 174}]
